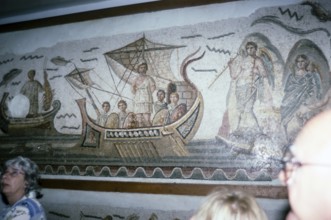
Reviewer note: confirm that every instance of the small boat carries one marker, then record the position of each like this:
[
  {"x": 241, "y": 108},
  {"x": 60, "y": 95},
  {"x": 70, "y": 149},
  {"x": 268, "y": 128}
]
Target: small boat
[
  {"x": 143, "y": 142},
  {"x": 41, "y": 125}
]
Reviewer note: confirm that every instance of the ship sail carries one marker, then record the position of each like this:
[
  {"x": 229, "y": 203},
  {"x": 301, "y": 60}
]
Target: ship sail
[
  {"x": 80, "y": 78},
  {"x": 125, "y": 60}
]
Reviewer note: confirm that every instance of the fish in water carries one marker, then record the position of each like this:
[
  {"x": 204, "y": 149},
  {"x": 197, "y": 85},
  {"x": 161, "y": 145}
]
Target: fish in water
[
  {"x": 60, "y": 61},
  {"x": 10, "y": 76}
]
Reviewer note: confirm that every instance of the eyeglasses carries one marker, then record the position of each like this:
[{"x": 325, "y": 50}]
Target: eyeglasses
[
  {"x": 13, "y": 173},
  {"x": 290, "y": 165}
]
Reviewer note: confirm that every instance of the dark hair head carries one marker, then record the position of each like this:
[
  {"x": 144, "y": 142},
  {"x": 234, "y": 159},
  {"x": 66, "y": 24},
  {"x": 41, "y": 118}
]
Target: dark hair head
[
  {"x": 106, "y": 103},
  {"x": 31, "y": 74},
  {"x": 301, "y": 56},
  {"x": 143, "y": 64},
  {"x": 123, "y": 102},
  {"x": 161, "y": 91},
  {"x": 252, "y": 44}
]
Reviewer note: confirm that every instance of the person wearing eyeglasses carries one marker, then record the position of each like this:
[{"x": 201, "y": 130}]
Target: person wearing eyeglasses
[
  {"x": 307, "y": 170},
  {"x": 20, "y": 190}
]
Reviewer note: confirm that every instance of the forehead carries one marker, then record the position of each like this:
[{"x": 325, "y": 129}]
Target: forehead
[
  {"x": 314, "y": 141},
  {"x": 305, "y": 154},
  {"x": 10, "y": 168},
  {"x": 304, "y": 148}
]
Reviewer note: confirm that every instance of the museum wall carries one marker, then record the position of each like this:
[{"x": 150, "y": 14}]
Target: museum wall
[
  {"x": 76, "y": 204},
  {"x": 232, "y": 66}
]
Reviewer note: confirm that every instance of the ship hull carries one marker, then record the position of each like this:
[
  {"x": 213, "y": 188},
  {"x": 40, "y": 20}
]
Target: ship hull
[
  {"x": 153, "y": 142},
  {"x": 40, "y": 125}
]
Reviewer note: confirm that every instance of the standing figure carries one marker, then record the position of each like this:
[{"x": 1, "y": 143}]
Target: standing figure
[
  {"x": 175, "y": 110},
  {"x": 103, "y": 117},
  {"x": 122, "y": 105},
  {"x": 31, "y": 90},
  {"x": 20, "y": 188},
  {"x": 106, "y": 118},
  {"x": 174, "y": 98},
  {"x": 160, "y": 109},
  {"x": 247, "y": 74},
  {"x": 302, "y": 88},
  {"x": 160, "y": 103},
  {"x": 143, "y": 87}
]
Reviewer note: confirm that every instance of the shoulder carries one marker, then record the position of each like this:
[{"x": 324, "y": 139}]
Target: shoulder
[
  {"x": 33, "y": 207},
  {"x": 315, "y": 74},
  {"x": 258, "y": 60},
  {"x": 150, "y": 79},
  {"x": 290, "y": 76},
  {"x": 312, "y": 75}
]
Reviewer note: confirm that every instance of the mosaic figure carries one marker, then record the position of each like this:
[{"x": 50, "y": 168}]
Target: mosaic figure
[{"x": 302, "y": 87}]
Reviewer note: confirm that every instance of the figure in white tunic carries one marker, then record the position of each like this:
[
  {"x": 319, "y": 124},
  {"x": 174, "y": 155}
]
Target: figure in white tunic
[{"x": 143, "y": 87}]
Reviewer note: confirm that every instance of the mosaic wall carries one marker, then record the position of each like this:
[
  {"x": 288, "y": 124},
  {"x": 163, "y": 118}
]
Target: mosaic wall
[{"x": 215, "y": 100}]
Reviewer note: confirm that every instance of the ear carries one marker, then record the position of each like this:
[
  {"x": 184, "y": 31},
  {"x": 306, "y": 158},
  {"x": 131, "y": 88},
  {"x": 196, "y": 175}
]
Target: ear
[{"x": 282, "y": 178}]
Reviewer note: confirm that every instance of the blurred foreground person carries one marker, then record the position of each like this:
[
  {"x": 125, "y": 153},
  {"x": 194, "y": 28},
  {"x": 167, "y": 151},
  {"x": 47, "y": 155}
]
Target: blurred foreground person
[
  {"x": 224, "y": 205},
  {"x": 20, "y": 190},
  {"x": 307, "y": 170}
]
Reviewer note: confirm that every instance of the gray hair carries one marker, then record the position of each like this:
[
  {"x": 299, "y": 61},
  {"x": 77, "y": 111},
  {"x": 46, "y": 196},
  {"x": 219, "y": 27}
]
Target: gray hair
[{"x": 31, "y": 173}]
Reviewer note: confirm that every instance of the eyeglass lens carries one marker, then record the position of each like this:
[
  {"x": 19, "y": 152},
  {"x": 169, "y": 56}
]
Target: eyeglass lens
[{"x": 12, "y": 173}]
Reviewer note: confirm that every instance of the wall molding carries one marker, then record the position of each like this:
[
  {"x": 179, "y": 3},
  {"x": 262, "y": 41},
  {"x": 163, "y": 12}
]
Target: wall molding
[
  {"x": 107, "y": 12},
  {"x": 188, "y": 189}
]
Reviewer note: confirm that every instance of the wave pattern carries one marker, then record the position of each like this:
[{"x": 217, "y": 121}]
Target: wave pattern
[
  {"x": 299, "y": 31},
  {"x": 194, "y": 173},
  {"x": 292, "y": 15}
]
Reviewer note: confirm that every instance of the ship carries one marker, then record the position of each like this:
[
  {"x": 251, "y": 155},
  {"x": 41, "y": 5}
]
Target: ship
[
  {"x": 158, "y": 140},
  {"x": 39, "y": 125}
]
